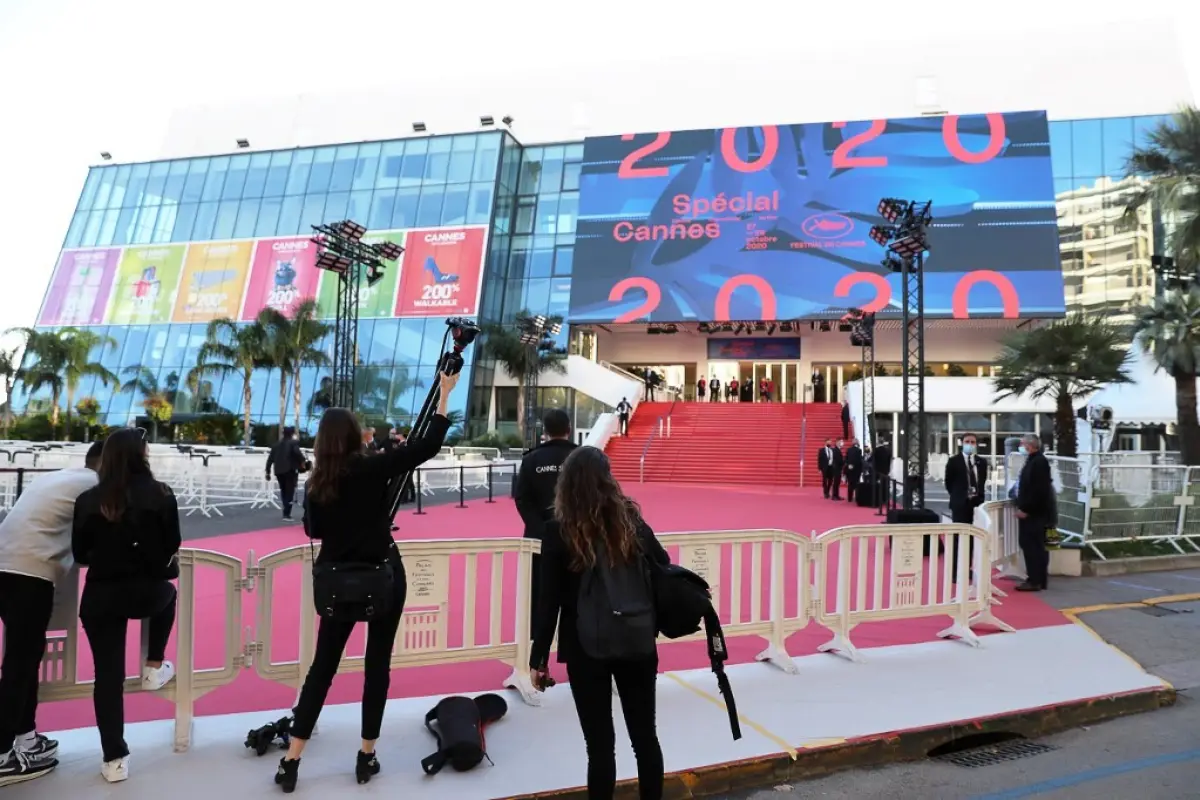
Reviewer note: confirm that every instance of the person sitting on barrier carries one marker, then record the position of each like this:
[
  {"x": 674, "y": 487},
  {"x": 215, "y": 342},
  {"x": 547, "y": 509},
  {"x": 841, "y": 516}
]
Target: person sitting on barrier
[
  {"x": 346, "y": 509},
  {"x": 126, "y": 532},
  {"x": 35, "y": 554},
  {"x": 593, "y": 518},
  {"x": 289, "y": 461}
]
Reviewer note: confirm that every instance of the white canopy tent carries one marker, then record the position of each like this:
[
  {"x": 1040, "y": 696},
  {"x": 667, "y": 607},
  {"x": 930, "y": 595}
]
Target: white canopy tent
[{"x": 1149, "y": 400}]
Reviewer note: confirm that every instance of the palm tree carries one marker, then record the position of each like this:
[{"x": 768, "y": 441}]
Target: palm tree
[
  {"x": 1066, "y": 360},
  {"x": 503, "y": 343},
  {"x": 144, "y": 382},
  {"x": 10, "y": 365},
  {"x": 1169, "y": 331},
  {"x": 61, "y": 359},
  {"x": 41, "y": 366},
  {"x": 230, "y": 348},
  {"x": 295, "y": 343},
  {"x": 79, "y": 348},
  {"x": 1171, "y": 160}
]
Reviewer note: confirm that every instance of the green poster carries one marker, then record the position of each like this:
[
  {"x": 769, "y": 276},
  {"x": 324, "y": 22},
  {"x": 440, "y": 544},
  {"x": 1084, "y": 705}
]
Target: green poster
[
  {"x": 373, "y": 301},
  {"x": 147, "y": 280}
]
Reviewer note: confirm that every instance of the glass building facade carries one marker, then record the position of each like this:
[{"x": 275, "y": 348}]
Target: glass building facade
[{"x": 528, "y": 196}]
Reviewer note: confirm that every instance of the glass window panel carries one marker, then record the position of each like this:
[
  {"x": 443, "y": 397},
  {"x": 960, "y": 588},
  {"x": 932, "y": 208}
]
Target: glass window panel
[
  {"x": 314, "y": 207},
  {"x": 547, "y": 214},
  {"x": 454, "y": 210},
  {"x": 108, "y": 228},
  {"x": 568, "y": 212},
  {"x": 571, "y": 177},
  {"x": 383, "y": 342},
  {"x": 487, "y": 154},
  {"x": 256, "y": 178},
  {"x": 1143, "y": 126},
  {"x": 136, "y": 188},
  {"x": 206, "y": 217},
  {"x": 124, "y": 232},
  {"x": 404, "y": 213},
  {"x": 143, "y": 227},
  {"x": 535, "y": 264},
  {"x": 412, "y": 169},
  {"x": 462, "y": 159},
  {"x": 226, "y": 217},
  {"x": 268, "y": 217},
  {"x": 537, "y": 296},
  {"x": 164, "y": 223},
  {"x": 156, "y": 344},
  {"x": 1118, "y": 144},
  {"x": 277, "y": 173},
  {"x": 177, "y": 340},
  {"x": 359, "y": 207},
  {"x": 90, "y": 187},
  {"x": 1086, "y": 148},
  {"x": 216, "y": 178},
  {"x": 75, "y": 232},
  {"x": 525, "y": 209},
  {"x": 560, "y": 298},
  {"x": 552, "y": 170},
  {"x": 173, "y": 191},
  {"x": 91, "y": 231},
  {"x": 381, "y": 209},
  {"x": 246, "y": 218},
  {"x": 531, "y": 171},
  {"x": 367, "y": 166},
  {"x": 564, "y": 258},
  {"x": 403, "y": 394},
  {"x": 1060, "y": 149},
  {"x": 157, "y": 182},
  {"x": 193, "y": 188},
  {"x": 298, "y": 172},
  {"x": 408, "y": 342},
  {"x": 573, "y": 152},
  {"x": 108, "y": 178},
  {"x": 480, "y": 210},
  {"x": 322, "y": 170},
  {"x": 391, "y": 159},
  {"x": 289, "y": 215},
  {"x": 235, "y": 179},
  {"x": 437, "y": 164},
  {"x": 335, "y": 207},
  {"x": 185, "y": 219},
  {"x": 120, "y": 184},
  {"x": 342, "y": 177},
  {"x": 430, "y": 210}
]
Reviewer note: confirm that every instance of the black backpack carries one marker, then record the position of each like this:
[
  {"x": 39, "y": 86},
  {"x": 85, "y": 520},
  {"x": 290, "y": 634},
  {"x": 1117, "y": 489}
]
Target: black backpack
[
  {"x": 460, "y": 727},
  {"x": 615, "y": 610},
  {"x": 683, "y": 604}
]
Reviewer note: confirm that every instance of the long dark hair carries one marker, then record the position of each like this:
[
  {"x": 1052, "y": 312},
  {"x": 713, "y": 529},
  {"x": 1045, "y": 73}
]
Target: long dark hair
[
  {"x": 123, "y": 460},
  {"x": 590, "y": 507},
  {"x": 339, "y": 438}
]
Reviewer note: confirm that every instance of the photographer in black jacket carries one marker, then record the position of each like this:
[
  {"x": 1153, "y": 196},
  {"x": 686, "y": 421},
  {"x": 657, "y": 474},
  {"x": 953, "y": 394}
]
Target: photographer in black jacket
[
  {"x": 288, "y": 460},
  {"x": 536, "y": 481}
]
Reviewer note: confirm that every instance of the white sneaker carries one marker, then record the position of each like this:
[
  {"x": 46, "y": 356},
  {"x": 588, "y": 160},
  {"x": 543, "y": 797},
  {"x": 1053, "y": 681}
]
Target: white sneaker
[
  {"x": 155, "y": 679},
  {"x": 115, "y": 771}
]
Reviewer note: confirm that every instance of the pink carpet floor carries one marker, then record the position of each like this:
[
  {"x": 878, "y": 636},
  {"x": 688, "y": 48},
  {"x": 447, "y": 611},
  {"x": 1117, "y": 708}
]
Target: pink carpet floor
[{"x": 668, "y": 508}]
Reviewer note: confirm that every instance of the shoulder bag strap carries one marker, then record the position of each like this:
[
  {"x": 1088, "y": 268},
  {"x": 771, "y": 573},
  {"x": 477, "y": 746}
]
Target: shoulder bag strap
[{"x": 433, "y": 764}]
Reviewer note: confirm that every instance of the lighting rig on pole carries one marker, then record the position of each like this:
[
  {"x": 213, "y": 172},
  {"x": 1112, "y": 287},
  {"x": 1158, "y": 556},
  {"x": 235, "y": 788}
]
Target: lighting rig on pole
[
  {"x": 342, "y": 251},
  {"x": 904, "y": 238},
  {"x": 536, "y": 333},
  {"x": 862, "y": 336}
]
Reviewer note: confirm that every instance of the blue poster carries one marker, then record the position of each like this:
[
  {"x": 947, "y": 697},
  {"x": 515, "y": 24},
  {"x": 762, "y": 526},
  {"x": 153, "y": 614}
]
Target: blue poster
[
  {"x": 761, "y": 349},
  {"x": 771, "y": 223}
]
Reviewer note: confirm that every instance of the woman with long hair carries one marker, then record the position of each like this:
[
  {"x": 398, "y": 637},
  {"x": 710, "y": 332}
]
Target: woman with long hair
[
  {"x": 594, "y": 519},
  {"x": 126, "y": 532},
  {"x": 345, "y": 506}
]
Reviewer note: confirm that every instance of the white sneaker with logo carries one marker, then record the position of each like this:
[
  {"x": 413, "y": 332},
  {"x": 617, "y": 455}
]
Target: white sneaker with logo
[
  {"x": 115, "y": 771},
  {"x": 154, "y": 679}
]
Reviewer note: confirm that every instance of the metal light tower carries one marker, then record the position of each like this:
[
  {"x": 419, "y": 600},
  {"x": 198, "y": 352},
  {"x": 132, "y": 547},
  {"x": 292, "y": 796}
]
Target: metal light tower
[
  {"x": 905, "y": 239},
  {"x": 343, "y": 252},
  {"x": 535, "y": 333}
]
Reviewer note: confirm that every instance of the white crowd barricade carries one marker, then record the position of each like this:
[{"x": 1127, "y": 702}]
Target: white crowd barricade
[
  {"x": 999, "y": 518},
  {"x": 878, "y": 573}
]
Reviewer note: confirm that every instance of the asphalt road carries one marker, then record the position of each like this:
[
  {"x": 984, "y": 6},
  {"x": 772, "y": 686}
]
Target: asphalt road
[{"x": 1154, "y": 756}]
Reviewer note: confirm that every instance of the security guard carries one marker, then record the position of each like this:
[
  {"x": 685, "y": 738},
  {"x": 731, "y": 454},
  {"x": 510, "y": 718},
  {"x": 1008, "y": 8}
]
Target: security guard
[{"x": 534, "y": 489}]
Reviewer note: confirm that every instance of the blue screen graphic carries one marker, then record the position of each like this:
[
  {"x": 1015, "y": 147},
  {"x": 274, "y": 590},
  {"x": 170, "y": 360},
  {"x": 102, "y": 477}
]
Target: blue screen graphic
[{"x": 771, "y": 223}]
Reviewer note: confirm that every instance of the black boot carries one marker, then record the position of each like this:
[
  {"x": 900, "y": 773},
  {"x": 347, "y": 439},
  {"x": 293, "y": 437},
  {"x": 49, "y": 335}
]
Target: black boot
[
  {"x": 287, "y": 774},
  {"x": 367, "y": 766}
]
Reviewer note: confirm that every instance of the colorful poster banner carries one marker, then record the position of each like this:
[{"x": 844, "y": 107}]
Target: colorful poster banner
[
  {"x": 440, "y": 273},
  {"x": 213, "y": 278},
  {"x": 80, "y": 288},
  {"x": 147, "y": 279},
  {"x": 373, "y": 301},
  {"x": 284, "y": 275}
]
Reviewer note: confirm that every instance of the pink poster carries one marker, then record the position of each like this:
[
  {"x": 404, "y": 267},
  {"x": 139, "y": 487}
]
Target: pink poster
[
  {"x": 79, "y": 291},
  {"x": 284, "y": 274}
]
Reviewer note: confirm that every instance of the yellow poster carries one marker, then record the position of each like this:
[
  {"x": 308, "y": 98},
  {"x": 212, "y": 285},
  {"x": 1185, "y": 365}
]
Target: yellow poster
[{"x": 214, "y": 277}]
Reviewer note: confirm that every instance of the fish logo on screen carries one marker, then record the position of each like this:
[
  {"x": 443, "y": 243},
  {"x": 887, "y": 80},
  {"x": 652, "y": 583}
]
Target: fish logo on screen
[{"x": 827, "y": 226}]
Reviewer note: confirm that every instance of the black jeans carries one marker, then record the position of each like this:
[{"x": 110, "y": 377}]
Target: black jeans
[
  {"x": 965, "y": 515},
  {"x": 287, "y": 490},
  {"x": 332, "y": 636},
  {"x": 591, "y": 683},
  {"x": 105, "y": 611},
  {"x": 851, "y": 484},
  {"x": 829, "y": 483},
  {"x": 624, "y": 418},
  {"x": 1031, "y": 536},
  {"x": 26, "y": 604}
]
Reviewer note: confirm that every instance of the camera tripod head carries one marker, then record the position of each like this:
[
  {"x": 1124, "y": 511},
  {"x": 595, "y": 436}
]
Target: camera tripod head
[{"x": 463, "y": 331}]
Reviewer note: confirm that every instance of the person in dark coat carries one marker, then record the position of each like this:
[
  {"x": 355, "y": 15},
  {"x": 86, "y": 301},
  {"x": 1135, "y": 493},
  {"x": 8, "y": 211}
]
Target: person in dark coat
[
  {"x": 965, "y": 479},
  {"x": 1035, "y": 503},
  {"x": 701, "y": 385},
  {"x": 829, "y": 462},
  {"x": 714, "y": 389},
  {"x": 846, "y": 420},
  {"x": 853, "y": 469},
  {"x": 289, "y": 461}
]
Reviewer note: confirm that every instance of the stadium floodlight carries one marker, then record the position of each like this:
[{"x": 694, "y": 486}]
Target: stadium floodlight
[
  {"x": 892, "y": 209},
  {"x": 487, "y": 120},
  {"x": 910, "y": 246},
  {"x": 333, "y": 262},
  {"x": 418, "y": 127},
  {"x": 388, "y": 251},
  {"x": 351, "y": 230},
  {"x": 507, "y": 120},
  {"x": 881, "y": 234},
  {"x": 555, "y": 329}
]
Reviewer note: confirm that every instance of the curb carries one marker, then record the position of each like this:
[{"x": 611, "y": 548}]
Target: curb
[
  {"x": 910, "y": 745},
  {"x": 1134, "y": 566}
]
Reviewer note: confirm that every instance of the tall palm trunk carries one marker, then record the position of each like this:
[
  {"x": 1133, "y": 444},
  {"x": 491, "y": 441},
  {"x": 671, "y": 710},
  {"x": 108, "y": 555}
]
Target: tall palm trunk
[
  {"x": 8, "y": 394},
  {"x": 521, "y": 404},
  {"x": 1189, "y": 425},
  {"x": 1064, "y": 426},
  {"x": 246, "y": 405},
  {"x": 70, "y": 403},
  {"x": 55, "y": 398},
  {"x": 283, "y": 393},
  {"x": 296, "y": 396}
]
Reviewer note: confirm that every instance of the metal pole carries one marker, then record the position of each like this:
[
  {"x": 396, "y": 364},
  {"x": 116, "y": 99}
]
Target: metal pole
[{"x": 490, "y": 479}]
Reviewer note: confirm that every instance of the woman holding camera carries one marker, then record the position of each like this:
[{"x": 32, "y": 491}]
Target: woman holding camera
[
  {"x": 345, "y": 506},
  {"x": 126, "y": 532},
  {"x": 593, "y": 518}
]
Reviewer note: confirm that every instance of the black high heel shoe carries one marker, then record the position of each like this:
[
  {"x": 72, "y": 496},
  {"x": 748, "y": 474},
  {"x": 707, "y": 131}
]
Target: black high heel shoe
[
  {"x": 366, "y": 767},
  {"x": 287, "y": 774}
]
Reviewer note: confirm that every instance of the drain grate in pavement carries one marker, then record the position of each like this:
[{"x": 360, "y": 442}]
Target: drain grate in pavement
[{"x": 989, "y": 754}]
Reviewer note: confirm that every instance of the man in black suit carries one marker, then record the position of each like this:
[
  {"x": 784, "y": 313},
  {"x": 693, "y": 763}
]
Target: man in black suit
[
  {"x": 854, "y": 468},
  {"x": 965, "y": 479},
  {"x": 1036, "y": 505},
  {"x": 829, "y": 462},
  {"x": 846, "y": 420}
]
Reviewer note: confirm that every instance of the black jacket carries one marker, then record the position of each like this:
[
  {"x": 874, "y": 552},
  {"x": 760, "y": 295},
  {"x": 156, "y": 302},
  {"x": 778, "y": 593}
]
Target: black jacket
[
  {"x": 137, "y": 547},
  {"x": 534, "y": 490},
  {"x": 854, "y": 460},
  {"x": 831, "y": 462},
  {"x": 559, "y": 596},
  {"x": 356, "y": 526},
  {"x": 845, "y": 413},
  {"x": 958, "y": 485},
  {"x": 1035, "y": 489},
  {"x": 286, "y": 456}
]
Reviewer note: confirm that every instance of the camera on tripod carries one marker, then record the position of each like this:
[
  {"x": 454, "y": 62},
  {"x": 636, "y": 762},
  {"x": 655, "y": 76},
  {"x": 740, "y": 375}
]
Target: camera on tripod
[{"x": 1099, "y": 417}]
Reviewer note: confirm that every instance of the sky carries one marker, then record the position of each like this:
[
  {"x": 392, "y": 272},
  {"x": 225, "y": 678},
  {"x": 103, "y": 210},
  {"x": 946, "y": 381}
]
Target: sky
[{"x": 81, "y": 76}]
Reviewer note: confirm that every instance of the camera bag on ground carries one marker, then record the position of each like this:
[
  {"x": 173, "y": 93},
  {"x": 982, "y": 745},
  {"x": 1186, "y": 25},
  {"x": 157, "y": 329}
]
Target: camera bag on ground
[
  {"x": 460, "y": 724},
  {"x": 683, "y": 604}
]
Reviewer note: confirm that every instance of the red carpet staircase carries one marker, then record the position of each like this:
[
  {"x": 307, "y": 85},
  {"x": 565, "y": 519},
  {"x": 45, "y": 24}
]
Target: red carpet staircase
[{"x": 725, "y": 443}]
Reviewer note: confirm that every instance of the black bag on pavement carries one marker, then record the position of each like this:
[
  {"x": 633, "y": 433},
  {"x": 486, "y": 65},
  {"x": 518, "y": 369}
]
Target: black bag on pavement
[{"x": 459, "y": 732}]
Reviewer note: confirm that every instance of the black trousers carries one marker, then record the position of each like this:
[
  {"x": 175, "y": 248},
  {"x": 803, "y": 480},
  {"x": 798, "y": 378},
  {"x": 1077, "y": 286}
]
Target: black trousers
[
  {"x": 535, "y": 587},
  {"x": 105, "y": 611},
  {"x": 26, "y": 604},
  {"x": 287, "y": 490},
  {"x": 964, "y": 514},
  {"x": 830, "y": 483},
  {"x": 624, "y": 420},
  {"x": 332, "y": 636},
  {"x": 1031, "y": 536},
  {"x": 851, "y": 485},
  {"x": 591, "y": 683}
]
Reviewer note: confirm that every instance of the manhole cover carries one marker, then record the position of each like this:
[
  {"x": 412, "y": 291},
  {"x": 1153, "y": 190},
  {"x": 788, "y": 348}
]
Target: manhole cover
[{"x": 990, "y": 754}]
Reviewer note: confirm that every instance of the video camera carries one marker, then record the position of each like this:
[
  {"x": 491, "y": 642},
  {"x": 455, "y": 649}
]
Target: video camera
[
  {"x": 260, "y": 739},
  {"x": 1099, "y": 417}
]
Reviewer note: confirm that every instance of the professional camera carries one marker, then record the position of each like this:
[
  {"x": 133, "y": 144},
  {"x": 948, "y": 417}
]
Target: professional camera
[
  {"x": 260, "y": 739},
  {"x": 1099, "y": 417}
]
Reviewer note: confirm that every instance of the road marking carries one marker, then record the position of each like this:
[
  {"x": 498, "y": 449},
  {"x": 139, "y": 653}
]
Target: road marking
[
  {"x": 1090, "y": 775},
  {"x": 1137, "y": 586},
  {"x": 1187, "y": 578},
  {"x": 749, "y": 723}
]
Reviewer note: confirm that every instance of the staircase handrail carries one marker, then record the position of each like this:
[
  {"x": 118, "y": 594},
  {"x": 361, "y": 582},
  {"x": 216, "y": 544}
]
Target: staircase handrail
[
  {"x": 662, "y": 429},
  {"x": 620, "y": 371},
  {"x": 803, "y": 437}
]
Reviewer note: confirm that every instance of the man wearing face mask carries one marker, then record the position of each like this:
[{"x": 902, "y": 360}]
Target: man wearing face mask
[
  {"x": 966, "y": 477},
  {"x": 854, "y": 469},
  {"x": 829, "y": 462},
  {"x": 1036, "y": 509}
]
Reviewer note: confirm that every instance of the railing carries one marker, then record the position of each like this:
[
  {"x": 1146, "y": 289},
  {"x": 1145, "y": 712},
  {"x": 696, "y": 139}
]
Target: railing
[
  {"x": 663, "y": 430},
  {"x": 803, "y": 439}
]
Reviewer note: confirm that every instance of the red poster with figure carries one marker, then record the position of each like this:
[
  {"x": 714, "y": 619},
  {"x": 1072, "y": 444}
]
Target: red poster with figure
[{"x": 440, "y": 272}]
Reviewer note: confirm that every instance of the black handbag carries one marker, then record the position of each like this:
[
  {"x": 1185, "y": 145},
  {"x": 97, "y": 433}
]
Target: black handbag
[{"x": 353, "y": 591}]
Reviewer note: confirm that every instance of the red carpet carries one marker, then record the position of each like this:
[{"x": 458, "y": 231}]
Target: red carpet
[{"x": 667, "y": 508}]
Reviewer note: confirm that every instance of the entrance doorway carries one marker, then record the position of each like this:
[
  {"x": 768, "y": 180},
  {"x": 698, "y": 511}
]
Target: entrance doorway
[{"x": 785, "y": 376}]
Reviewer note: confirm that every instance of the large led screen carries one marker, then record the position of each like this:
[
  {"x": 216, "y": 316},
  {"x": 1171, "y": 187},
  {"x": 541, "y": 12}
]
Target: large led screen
[{"x": 771, "y": 222}]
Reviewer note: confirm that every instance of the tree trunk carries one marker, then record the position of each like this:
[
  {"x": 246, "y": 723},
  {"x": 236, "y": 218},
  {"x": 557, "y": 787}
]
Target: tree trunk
[
  {"x": 1064, "y": 426},
  {"x": 246, "y": 405},
  {"x": 70, "y": 403},
  {"x": 283, "y": 393},
  {"x": 8, "y": 394},
  {"x": 521, "y": 407},
  {"x": 1189, "y": 426},
  {"x": 296, "y": 396},
  {"x": 153, "y": 430}
]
